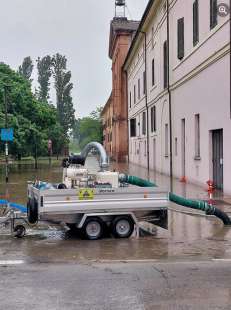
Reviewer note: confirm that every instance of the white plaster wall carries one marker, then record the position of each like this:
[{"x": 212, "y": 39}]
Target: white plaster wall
[
  {"x": 211, "y": 101},
  {"x": 199, "y": 84}
]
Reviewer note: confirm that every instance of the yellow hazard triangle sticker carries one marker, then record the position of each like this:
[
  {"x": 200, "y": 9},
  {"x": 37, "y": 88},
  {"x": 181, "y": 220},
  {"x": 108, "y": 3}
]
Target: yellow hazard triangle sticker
[{"x": 86, "y": 194}]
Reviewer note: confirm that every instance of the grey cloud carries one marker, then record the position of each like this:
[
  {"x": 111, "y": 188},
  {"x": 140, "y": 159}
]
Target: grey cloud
[{"x": 78, "y": 29}]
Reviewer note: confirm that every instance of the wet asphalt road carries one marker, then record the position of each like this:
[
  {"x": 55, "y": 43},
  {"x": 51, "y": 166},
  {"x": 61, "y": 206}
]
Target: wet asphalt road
[
  {"x": 186, "y": 267},
  {"x": 51, "y": 270},
  {"x": 118, "y": 286}
]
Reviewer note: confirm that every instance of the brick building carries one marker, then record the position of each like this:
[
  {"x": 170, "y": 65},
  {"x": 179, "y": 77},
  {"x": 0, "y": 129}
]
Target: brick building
[
  {"x": 115, "y": 114},
  {"x": 107, "y": 114}
]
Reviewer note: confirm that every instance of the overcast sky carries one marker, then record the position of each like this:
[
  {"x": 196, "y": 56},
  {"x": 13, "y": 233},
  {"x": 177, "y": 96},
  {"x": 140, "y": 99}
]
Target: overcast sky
[{"x": 77, "y": 29}]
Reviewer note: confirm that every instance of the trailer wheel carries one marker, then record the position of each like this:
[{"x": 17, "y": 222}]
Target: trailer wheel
[
  {"x": 62, "y": 186},
  {"x": 93, "y": 228},
  {"x": 19, "y": 231},
  {"x": 32, "y": 211},
  {"x": 122, "y": 227}
]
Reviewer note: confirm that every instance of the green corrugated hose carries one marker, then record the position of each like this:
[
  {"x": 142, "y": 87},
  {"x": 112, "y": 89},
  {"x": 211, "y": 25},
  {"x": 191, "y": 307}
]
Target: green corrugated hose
[
  {"x": 193, "y": 204},
  {"x": 200, "y": 205},
  {"x": 125, "y": 178}
]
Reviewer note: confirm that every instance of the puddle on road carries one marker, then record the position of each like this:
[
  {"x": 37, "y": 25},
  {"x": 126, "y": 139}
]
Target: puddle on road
[
  {"x": 188, "y": 236},
  {"x": 187, "y": 242}
]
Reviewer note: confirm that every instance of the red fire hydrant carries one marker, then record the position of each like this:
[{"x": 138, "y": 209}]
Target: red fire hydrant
[{"x": 210, "y": 190}]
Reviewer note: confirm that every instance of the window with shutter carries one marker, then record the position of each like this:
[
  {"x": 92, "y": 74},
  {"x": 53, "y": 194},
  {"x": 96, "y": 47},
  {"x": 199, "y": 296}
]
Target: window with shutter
[
  {"x": 165, "y": 65},
  {"x": 144, "y": 124},
  {"x": 153, "y": 119},
  {"x": 195, "y": 23},
  {"x": 197, "y": 136},
  {"x": 133, "y": 127},
  {"x": 213, "y": 13},
  {"x": 144, "y": 82},
  {"x": 180, "y": 33},
  {"x": 153, "y": 72},
  {"x": 138, "y": 88},
  {"x": 166, "y": 139}
]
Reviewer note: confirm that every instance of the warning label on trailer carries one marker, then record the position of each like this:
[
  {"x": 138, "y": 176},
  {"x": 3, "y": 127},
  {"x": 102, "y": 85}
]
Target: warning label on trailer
[{"x": 86, "y": 194}]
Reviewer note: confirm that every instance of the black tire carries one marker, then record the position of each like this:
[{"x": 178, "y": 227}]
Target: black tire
[
  {"x": 122, "y": 227},
  {"x": 19, "y": 231},
  {"x": 62, "y": 186},
  {"x": 32, "y": 211},
  {"x": 93, "y": 228},
  {"x": 74, "y": 230}
]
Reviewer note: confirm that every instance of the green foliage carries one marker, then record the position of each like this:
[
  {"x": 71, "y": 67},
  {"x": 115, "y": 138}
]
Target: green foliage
[
  {"x": 34, "y": 122},
  {"x": 44, "y": 67},
  {"x": 88, "y": 129},
  {"x": 26, "y": 68},
  {"x": 63, "y": 87}
]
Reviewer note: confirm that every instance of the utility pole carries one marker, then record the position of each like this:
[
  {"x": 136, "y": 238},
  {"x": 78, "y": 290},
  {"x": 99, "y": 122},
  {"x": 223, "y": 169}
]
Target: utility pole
[{"x": 6, "y": 126}]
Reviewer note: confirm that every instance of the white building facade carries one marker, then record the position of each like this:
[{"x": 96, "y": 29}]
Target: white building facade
[{"x": 192, "y": 81}]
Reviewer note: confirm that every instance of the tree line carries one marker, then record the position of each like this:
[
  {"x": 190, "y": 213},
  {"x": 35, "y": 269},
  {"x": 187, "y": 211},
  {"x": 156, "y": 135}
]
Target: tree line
[
  {"x": 88, "y": 129},
  {"x": 33, "y": 116},
  {"x": 36, "y": 120}
]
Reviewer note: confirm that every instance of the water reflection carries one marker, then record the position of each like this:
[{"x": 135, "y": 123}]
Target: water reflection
[{"x": 188, "y": 236}]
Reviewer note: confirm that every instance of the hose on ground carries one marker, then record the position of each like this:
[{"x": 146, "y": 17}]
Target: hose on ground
[
  {"x": 14, "y": 205},
  {"x": 202, "y": 206}
]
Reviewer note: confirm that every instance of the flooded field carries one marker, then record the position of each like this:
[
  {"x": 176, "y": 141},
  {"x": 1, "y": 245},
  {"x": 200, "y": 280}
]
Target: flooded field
[{"x": 188, "y": 236}]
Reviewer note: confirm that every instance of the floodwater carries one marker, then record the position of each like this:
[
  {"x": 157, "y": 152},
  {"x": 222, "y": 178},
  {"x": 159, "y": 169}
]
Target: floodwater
[{"x": 188, "y": 237}]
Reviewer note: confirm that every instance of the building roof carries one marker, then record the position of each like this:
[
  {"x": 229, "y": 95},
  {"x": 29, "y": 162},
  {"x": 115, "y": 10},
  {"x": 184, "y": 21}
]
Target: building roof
[
  {"x": 139, "y": 30},
  {"x": 120, "y": 25}
]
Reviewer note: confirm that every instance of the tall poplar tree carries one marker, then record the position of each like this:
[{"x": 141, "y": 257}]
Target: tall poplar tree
[
  {"x": 44, "y": 67},
  {"x": 26, "y": 68},
  {"x": 63, "y": 87}
]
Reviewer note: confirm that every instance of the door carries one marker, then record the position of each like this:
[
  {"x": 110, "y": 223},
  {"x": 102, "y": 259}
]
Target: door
[
  {"x": 217, "y": 158},
  {"x": 183, "y": 146}
]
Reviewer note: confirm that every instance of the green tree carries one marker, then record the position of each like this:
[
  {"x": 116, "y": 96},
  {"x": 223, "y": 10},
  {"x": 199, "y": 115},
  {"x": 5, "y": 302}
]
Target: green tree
[
  {"x": 26, "y": 68},
  {"x": 96, "y": 114},
  {"x": 33, "y": 121},
  {"x": 44, "y": 67},
  {"x": 88, "y": 128},
  {"x": 63, "y": 87},
  {"x": 59, "y": 139}
]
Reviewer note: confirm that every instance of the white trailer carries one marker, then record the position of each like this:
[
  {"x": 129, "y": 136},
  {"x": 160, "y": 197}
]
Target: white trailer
[
  {"x": 94, "y": 211},
  {"x": 93, "y": 204}
]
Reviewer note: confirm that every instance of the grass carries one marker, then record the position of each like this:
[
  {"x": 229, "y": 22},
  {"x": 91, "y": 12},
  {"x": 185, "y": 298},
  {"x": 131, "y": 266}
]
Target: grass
[{"x": 29, "y": 160}]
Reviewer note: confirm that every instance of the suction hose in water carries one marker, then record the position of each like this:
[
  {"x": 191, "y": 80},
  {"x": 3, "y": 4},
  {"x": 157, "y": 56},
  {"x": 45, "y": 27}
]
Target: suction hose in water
[{"x": 200, "y": 205}]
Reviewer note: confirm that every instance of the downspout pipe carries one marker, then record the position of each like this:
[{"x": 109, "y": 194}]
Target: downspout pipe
[
  {"x": 169, "y": 99},
  {"x": 146, "y": 98},
  {"x": 128, "y": 123}
]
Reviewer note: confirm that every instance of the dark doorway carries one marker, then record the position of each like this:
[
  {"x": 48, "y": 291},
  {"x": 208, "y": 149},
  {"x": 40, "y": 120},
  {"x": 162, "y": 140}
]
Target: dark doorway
[{"x": 217, "y": 158}]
